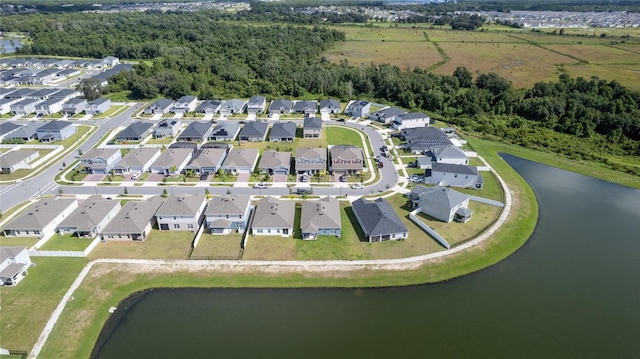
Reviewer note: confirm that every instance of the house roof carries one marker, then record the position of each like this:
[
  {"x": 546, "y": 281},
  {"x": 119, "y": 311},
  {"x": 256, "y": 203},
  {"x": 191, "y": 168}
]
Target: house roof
[
  {"x": 138, "y": 157},
  {"x": 310, "y": 153},
  {"x": 329, "y": 103},
  {"x": 50, "y": 101},
  {"x": 412, "y": 116},
  {"x": 43, "y": 93},
  {"x": 89, "y": 213},
  {"x": 214, "y": 104},
  {"x": 360, "y": 103},
  {"x": 181, "y": 205},
  {"x": 39, "y": 214},
  {"x": 283, "y": 130},
  {"x": 64, "y": 93},
  {"x": 162, "y": 103},
  {"x": 424, "y": 133},
  {"x": 168, "y": 122},
  {"x": 23, "y": 92},
  {"x": 99, "y": 101},
  {"x": 134, "y": 216},
  {"x": 347, "y": 154},
  {"x": 55, "y": 126},
  {"x": 323, "y": 213},
  {"x": 442, "y": 196},
  {"x": 207, "y": 157},
  {"x": 377, "y": 217},
  {"x": 312, "y": 123},
  {"x": 226, "y": 129},
  {"x": 272, "y": 159},
  {"x": 257, "y": 101},
  {"x": 389, "y": 112},
  {"x": 305, "y": 105},
  {"x": 235, "y": 105},
  {"x": 274, "y": 213},
  {"x": 75, "y": 101},
  {"x": 10, "y": 252},
  {"x": 10, "y": 158},
  {"x": 241, "y": 157},
  {"x": 254, "y": 129},
  {"x": 451, "y": 168},
  {"x": 99, "y": 153},
  {"x": 196, "y": 129},
  {"x": 281, "y": 105},
  {"x": 6, "y": 127},
  {"x": 135, "y": 130},
  {"x": 447, "y": 151},
  {"x": 187, "y": 99},
  {"x": 26, "y": 131},
  {"x": 228, "y": 204},
  {"x": 172, "y": 157}
]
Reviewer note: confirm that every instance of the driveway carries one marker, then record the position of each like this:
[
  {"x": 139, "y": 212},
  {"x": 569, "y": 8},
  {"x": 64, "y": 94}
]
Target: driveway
[
  {"x": 251, "y": 116},
  {"x": 155, "y": 177},
  {"x": 243, "y": 177},
  {"x": 94, "y": 178},
  {"x": 325, "y": 116},
  {"x": 279, "y": 178}
]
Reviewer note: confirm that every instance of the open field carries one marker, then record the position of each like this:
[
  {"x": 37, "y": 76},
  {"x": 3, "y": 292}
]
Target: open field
[{"x": 422, "y": 54}]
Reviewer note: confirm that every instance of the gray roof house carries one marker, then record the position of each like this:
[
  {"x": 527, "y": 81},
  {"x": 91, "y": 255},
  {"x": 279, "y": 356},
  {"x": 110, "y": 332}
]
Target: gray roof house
[
  {"x": 387, "y": 115},
  {"x": 253, "y": 131},
  {"x": 330, "y": 106},
  {"x": 280, "y": 106},
  {"x": 14, "y": 265},
  {"x": 448, "y": 154},
  {"x": 209, "y": 106},
  {"x": 228, "y": 213},
  {"x": 196, "y": 131},
  {"x": 446, "y": 174},
  {"x": 41, "y": 218},
  {"x": 137, "y": 160},
  {"x": 442, "y": 203},
  {"x": 207, "y": 160},
  {"x": 421, "y": 139},
  {"x": 135, "y": 132},
  {"x": 55, "y": 131},
  {"x": 25, "y": 106},
  {"x": 311, "y": 160},
  {"x": 185, "y": 104},
  {"x": 43, "y": 93},
  {"x": 240, "y": 160},
  {"x": 168, "y": 127},
  {"x": 225, "y": 131},
  {"x": 306, "y": 107},
  {"x": 134, "y": 221},
  {"x": 410, "y": 120},
  {"x": 49, "y": 106},
  {"x": 182, "y": 213},
  {"x": 275, "y": 163},
  {"x": 273, "y": 217},
  {"x": 162, "y": 106},
  {"x": 97, "y": 106},
  {"x": 100, "y": 160},
  {"x": 320, "y": 218},
  {"x": 7, "y": 127},
  {"x": 66, "y": 94},
  {"x": 283, "y": 132},
  {"x": 171, "y": 161},
  {"x": 5, "y": 104},
  {"x": 378, "y": 220},
  {"x": 74, "y": 106},
  {"x": 359, "y": 108},
  {"x": 91, "y": 216},
  {"x": 346, "y": 160},
  {"x": 17, "y": 159},
  {"x": 256, "y": 104},
  {"x": 233, "y": 106},
  {"x": 26, "y": 132},
  {"x": 312, "y": 127}
]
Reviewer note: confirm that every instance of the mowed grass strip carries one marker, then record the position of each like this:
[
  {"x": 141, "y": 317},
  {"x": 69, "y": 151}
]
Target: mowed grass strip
[
  {"x": 18, "y": 241},
  {"x": 66, "y": 242}
]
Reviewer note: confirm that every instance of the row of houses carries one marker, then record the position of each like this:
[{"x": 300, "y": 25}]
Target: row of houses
[
  {"x": 48, "y": 101},
  {"x": 211, "y": 158},
  {"x": 34, "y": 71},
  {"x": 47, "y": 131},
  {"x": 255, "y": 105}
]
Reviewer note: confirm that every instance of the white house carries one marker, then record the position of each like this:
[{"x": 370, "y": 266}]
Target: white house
[
  {"x": 182, "y": 213},
  {"x": 185, "y": 104},
  {"x": 410, "y": 120},
  {"x": 442, "y": 203},
  {"x": 14, "y": 262},
  {"x": 41, "y": 218}
]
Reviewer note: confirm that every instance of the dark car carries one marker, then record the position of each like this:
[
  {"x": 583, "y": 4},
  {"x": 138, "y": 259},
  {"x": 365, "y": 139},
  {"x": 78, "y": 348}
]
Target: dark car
[
  {"x": 301, "y": 191},
  {"x": 204, "y": 176},
  {"x": 341, "y": 120},
  {"x": 380, "y": 164}
]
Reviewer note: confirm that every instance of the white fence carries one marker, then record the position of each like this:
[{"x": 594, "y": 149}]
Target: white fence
[
  {"x": 428, "y": 229},
  {"x": 80, "y": 254}
]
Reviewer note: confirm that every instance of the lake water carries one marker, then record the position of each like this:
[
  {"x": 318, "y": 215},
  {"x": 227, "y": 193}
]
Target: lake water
[{"x": 572, "y": 291}]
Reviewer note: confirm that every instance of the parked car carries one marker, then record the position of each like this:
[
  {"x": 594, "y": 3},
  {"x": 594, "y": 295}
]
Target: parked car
[
  {"x": 261, "y": 185},
  {"x": 341, "y": 120},
  {"x": 204, "y": 176},
  {"x": 343, "y": 178},
  {"x": 135, "y": 175},
  {"x": 303, "y": 191},
  {"x": 304, "y": 178},
  {"x": 416, "y": 178},
  {"x": 380, "y": 164},
  {"x": 412, "y": 164},
  {"x": 357, "y": 186}
]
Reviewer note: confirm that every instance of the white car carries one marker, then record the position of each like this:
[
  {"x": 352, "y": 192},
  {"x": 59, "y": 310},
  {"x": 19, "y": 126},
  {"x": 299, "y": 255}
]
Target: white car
[
  {"x": 261, "y": 185},
  {"x": 135, "y": 176},
  {"x": 357, "y": 186},
  {"x": 417, "y": 178}
]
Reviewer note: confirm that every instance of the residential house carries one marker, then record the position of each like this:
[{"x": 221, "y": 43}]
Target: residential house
[
  {"x": 359, "y": 108},
  {"x": 311, "y": 160},
  {"x": 410, "y": 120},
  {"x": 137, "y": 160},
  {"x": 74, "y": 106},
  {"x": 233, "y": 106},
  {"x": 66, "y": 73},
  {"x": 25, "y": 133},
  {"x": 446, "y": 174},
  {"x": 378, "y": 220},
  {"x": 253, "y": 131},
  {"x": 135, "y": 132},
  {"x": 66, "y": 94},
  {"x": 275, "y": 163},
  {"x": 91, "y": 216},
  {"x": 161, "y": 106},
  {"x": 182, "y": 213},
  {"x": 283, "y": 132},
  {"x": 17, "y": 159},
  {"x": 20, "y": 93},
  {"x": 5, "y": 104},
  {"x": 100, "y": 160},
  {"x": 110, "y": 61},
  {"x": 7, "y": 127},
  {"x": 134, "y": 221},
  {"x": 280, "y": 107},
  {"x": 447, "y": 154},
  {"x": 43, "y": 77},
  {"x": 320, "y": 218},
  {"x": 55, "y": 131},
  {"x": 240, "y": 160},
  {"x": 14, "y": 263},
  {"x": 168, "y": 127},
  {"x": 207, "y": 160},
  {"x": 43, "y": 93},
  {"x": 97, "y": 106},
  {"x": 225, "y": 131},
  {"x": 306, "y": 107},
  {"x": 172, "y": 161},
  {"x": 228, "y": 213},
  {"x": 441, "y": 203},
  {"x": 41, "y": 218},
  {"x": 422, "y": 139},
  {"x": 49, "y": 106},
  {"x": 209, "y": 106},
  {"x": 330, "y": 106},
  {"x": 256, "y": 104},
  {"x": 196, "y": 131},
  {"x": 387, "y": 114},
  {"x": 25, "y": 106},
  {"x": 312, "y": 127},
  {"x": 185, "y": 104},
  {"x": 346, "y": 160},
  {"x": 273, "y": 217}
]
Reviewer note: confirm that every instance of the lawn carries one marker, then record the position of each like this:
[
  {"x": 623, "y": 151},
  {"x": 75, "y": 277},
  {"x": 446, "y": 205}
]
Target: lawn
[
  {"x": 218, "y": 246},
  {"x": 158, "y": 245},
  {"x": 160, "y": 141},
  {"x": 18, "y": 241},
  {"x": 66, "y": 242},
  {"x": 490, "y": 189},
  {"x": 338, "y": 135}
]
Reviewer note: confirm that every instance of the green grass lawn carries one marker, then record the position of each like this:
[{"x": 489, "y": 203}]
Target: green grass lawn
[
  {"x": 66, "y": 242},
  {"x": 490, "y": 189},
  {"x": 158, "y": 245},
  {"x": 338, "y": 135},
  {"x": 18, "y": 241},
  {"x": 160, "y": 141},
  {"x": 218, "y": 246}
]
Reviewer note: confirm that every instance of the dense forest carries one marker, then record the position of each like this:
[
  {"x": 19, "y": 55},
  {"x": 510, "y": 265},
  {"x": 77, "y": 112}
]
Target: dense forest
[{"x": 197, "y": 53}]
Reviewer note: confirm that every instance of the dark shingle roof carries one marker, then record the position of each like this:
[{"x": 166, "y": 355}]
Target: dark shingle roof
[
  {"x": 451, "y": 168},
  {"x": 196, "y": 129},
  {"x": 312, "y": 123},
  {"x": 134, "y": 130},
  {"x": 254, "y": 129},
  {"x": 377, "y": 217},
  {"x": 283, "y": 130}
]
